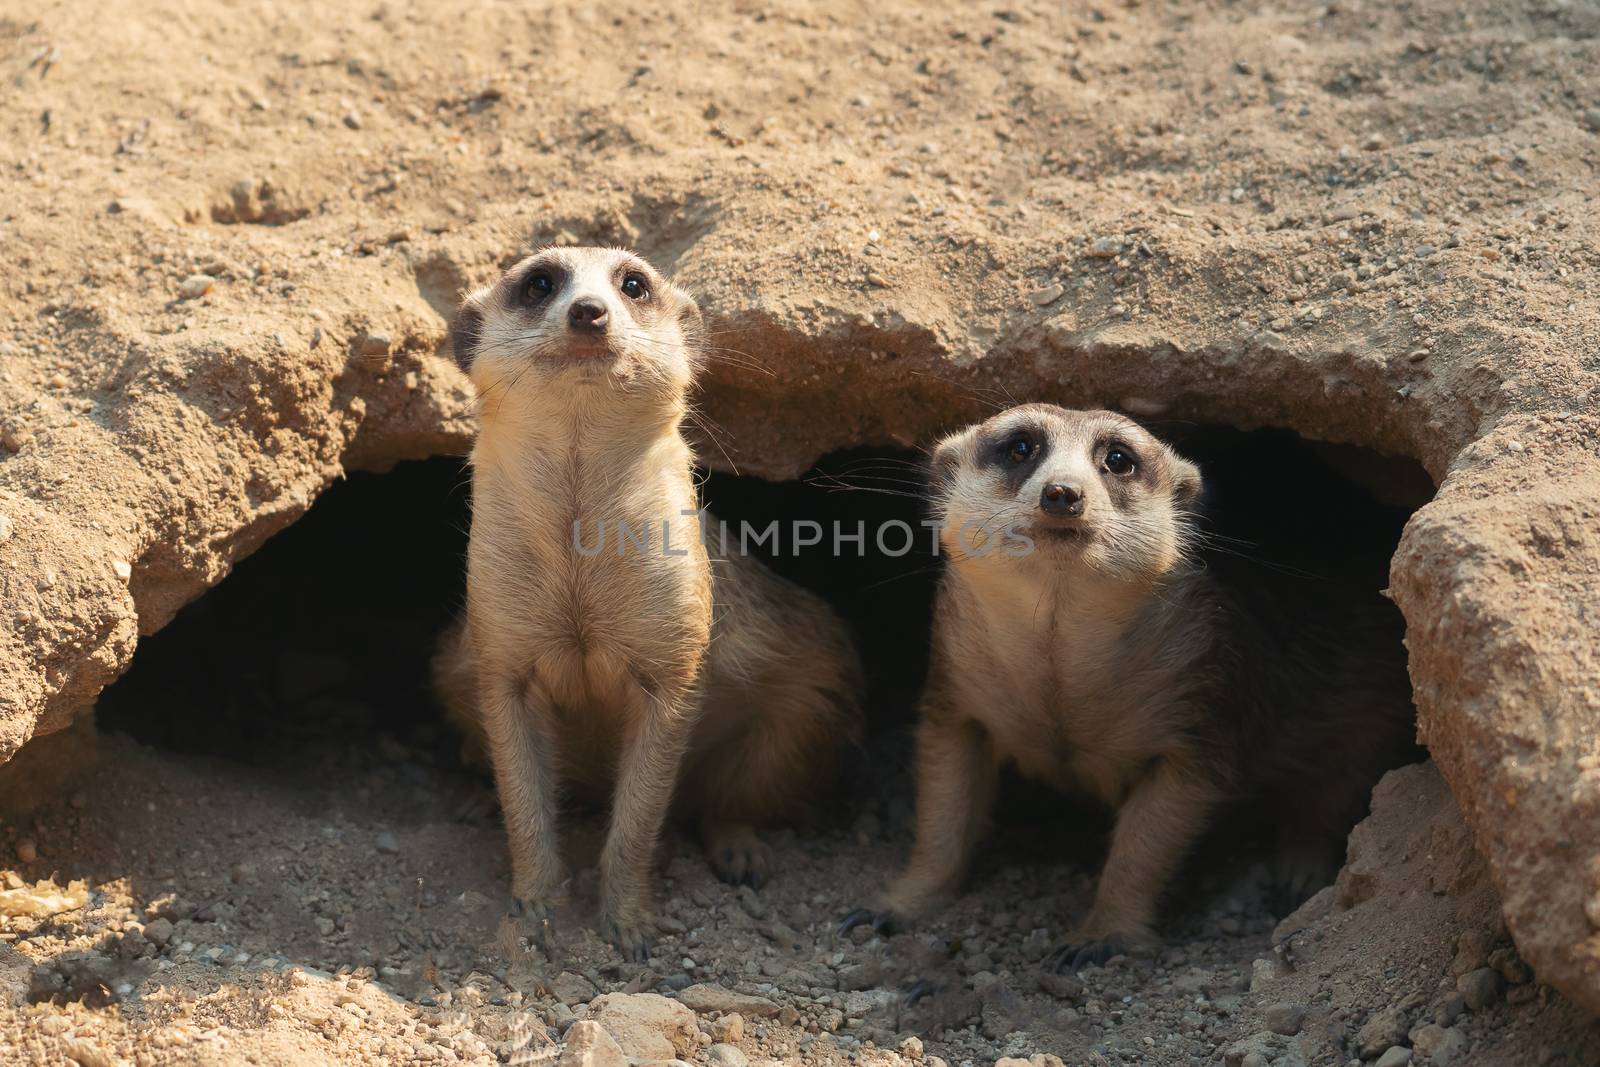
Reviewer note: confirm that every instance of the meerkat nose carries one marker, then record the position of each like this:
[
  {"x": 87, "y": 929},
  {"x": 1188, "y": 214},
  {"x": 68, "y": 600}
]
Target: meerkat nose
[
  {"x": 587, "y": 315},
  {"x": 1060, "y": 499}
]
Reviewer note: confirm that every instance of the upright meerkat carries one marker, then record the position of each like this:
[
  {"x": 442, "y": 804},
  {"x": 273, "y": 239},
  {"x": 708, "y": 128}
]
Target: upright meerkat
[
  {"x": 1078, "y": 636},
  {"x": 602, "y": 648}
]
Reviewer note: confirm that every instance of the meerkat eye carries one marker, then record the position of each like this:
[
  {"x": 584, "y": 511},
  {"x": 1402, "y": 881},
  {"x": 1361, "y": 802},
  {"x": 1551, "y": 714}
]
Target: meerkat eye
[
  {"x": 540, "y": 284},
  {"x": 1019, "y": 450},
  {"x": 634, "y": 287},
  {"x": 1120, "y": 460}
]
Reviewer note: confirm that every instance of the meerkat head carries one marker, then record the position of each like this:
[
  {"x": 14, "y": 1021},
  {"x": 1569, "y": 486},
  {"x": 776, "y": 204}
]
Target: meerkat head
[
  {"x": 1045, "y": 486},
  {"x": 581, "y": 317}
]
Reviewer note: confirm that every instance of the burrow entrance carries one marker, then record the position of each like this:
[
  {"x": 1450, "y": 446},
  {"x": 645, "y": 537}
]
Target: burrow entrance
[{"x": 311, "y": 658}]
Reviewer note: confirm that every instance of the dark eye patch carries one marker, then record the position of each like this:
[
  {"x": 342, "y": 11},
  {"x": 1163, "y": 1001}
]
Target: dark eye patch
[
  {"x": 1119, "y": 459},
  {"x": 1016, "y": 453},
  {"x": 465, "y": 331},
  {"x": 540, "y": 281}
]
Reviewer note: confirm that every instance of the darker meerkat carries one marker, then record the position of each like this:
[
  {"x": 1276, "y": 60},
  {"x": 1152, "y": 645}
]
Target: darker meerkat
[
  {"x": 1079, "y": 636},
  {"x": 637, "y": 664}
]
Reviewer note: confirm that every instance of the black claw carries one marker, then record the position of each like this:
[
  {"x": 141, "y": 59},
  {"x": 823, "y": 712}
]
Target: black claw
[
  {"x": 1070, "y": 958},
  {"x": 881, "y": 921},
  {"x": 917, "y": 990}
]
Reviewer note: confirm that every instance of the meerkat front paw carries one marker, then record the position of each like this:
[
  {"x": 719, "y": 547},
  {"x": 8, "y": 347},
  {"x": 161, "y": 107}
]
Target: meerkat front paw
[
  {"x": 536, "y": 917},
  {"x": 737, "y": 854},
  {"x": 630, "y": 936},
  {"x": 883, "y": 923},
  {"x": 1088, "y": 948}
]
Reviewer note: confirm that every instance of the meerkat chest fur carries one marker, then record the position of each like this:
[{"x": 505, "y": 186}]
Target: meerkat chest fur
[
  {"x": 1081, "y": 682},
  {"x": 587, "y": 536}
]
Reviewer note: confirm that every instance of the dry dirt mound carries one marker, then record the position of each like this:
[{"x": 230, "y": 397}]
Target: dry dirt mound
[{"x": 235, "y": 238}]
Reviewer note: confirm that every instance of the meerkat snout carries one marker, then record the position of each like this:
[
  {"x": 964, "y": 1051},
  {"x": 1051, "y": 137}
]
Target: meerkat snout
[
  {"x": 1059, "y": 499},
  {"x": 587, "y": 315}
]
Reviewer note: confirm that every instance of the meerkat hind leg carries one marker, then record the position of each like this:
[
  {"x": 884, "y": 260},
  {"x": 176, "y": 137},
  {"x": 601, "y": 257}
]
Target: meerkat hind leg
[
  {"x": 774, "y": 745},
  {"x": 736, "y": 852}
]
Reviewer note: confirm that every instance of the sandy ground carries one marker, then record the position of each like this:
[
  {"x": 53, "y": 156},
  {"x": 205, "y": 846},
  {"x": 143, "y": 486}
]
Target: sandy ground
[
  {"x": 235, "y": 234},
  {"x": 267, "y": 850}
]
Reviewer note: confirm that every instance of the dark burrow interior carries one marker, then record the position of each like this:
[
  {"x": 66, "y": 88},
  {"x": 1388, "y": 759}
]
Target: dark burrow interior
[{"x": 310, "y": 661}]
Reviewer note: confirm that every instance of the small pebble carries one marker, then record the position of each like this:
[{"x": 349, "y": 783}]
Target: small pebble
[
  {"x": 195, "y": 286},
  {"x": 1285, "y": 1019},
  {"x": 122, "y": 569},
  {"x": 1106, "y": 247},
  {"x": 27, "y": 851},
  {"x": 352, "y": 120},
  {"x": 6, "y": 528},
  {"x": 1417, "y": 355},
  {"x": 1048, "y": 295},
  {"x": 376, "y": 344},
  {"x": 1479, "y": 988},
  {"x": 158, "y": 931},
  {"x": 726, "y": 1056},
  {"x": 877, "y": 280},
  {"x": 1395, "y": 1056},
  {"x": 387, "y": 842}
]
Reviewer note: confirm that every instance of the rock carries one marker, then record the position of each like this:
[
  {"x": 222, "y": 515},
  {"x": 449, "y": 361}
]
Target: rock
[
  {"x": 1591, "y": 119},
  {"x": 706, "y": 998},
  {"x": 1064, "y": 986},
  {"x": 724, "y": 1055},
  {"x": 729, "y": 1029},
  {"x": 195, "y": 286},
  {"x": 1285, "y": 1019},
  {"x": 1479, "y": 988},
  {"x": 387, "y": 843},
  {"x": 648, "y": 1026},
  {"x": 1257, "y": 1050},
  {"x": 26, "y": 850},
  {"x": 860, "y": 975},
  {"x": 1450, "y": 1009},
  {"x": 1511, "y": 966},
  {"x": 1441, "y": 1046},
  {"x": 911, "y": 1048},
  {"x": 375, "y": 344},
  {"x": 1107, "y": 247},
  {"x": 1472, "y": 951},
  {"x": 588, "y": 1045},
  {"x": 1047, "y": 295},
  {"x": 1394, "y": 1056},
  {"x": 158, "y": 931},
  {"x": 1386, "y": 1027},
  {"x": 572, "y": 988}
]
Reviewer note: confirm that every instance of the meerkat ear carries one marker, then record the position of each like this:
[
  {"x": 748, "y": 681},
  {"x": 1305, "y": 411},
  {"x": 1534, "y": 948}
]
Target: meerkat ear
[
  {"x": 1187, "y": 484},
  {"x": 690, "y": 321},
  {"x": 944, "y": 461},
  {"x": 465, "y": 331}
]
